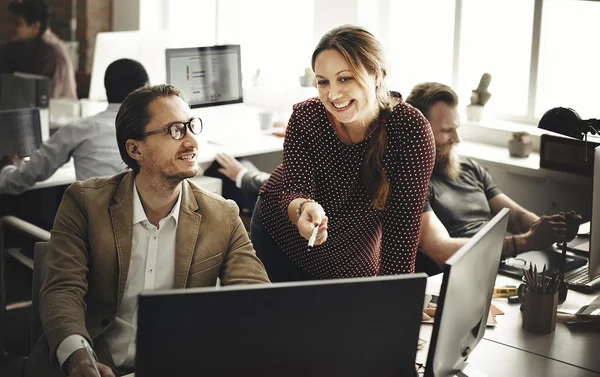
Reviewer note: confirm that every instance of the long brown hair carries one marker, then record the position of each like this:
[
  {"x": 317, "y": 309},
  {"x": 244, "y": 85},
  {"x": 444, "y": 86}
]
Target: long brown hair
[{"x": 361, "y": 49}]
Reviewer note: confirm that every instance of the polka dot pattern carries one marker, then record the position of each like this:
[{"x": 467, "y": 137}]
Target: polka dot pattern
[{"x": 362, "y": 241}]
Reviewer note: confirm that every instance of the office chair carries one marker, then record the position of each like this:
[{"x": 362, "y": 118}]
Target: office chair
[
  {"x": 16, "y": 366},
  {"x": 14, "y": 223}
]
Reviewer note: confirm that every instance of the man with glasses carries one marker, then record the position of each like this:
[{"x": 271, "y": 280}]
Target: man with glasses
[{"x": 146, "y": 229}]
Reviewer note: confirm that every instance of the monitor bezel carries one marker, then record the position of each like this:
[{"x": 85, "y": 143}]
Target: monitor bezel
[
  {"x": 237, "y": 49},
  {"x": 501, "y": 216}
]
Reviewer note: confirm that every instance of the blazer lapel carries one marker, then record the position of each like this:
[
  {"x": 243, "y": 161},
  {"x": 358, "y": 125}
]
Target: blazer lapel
[
  {"x": 187, "y": 234},
  {"x": 121, "y": 214}
]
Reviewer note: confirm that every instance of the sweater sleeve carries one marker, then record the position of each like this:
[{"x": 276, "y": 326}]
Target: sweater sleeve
[
  {"x": 414, "y": 153},
  {"x": 298, "y": 179}
]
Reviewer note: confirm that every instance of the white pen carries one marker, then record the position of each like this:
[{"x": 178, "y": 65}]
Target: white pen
[
  {"x": 90, "y": 356},
  {"x": 313, "y": 236}
]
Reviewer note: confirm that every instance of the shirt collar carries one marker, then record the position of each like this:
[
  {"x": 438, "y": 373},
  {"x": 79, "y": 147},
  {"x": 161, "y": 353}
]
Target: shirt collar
[{"x": 139, "y": 214}]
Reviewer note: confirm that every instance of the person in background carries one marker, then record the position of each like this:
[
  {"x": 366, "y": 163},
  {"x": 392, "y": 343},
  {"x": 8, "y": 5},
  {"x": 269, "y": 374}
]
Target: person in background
[
  {"x": 462, "y": 196},
  {"x": 34, "y": 48},
  {"x": 359, "y": 154},
  {"x": 247, "y": 177},
  {"x": 90, "y": 141},
  {"x": 145, "y": 229}
]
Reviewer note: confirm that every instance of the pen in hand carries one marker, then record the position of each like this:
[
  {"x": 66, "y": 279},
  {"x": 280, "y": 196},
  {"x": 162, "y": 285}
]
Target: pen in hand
[
  {"x": 313, "y": 236},
  {"x": 90, "y": 356}
]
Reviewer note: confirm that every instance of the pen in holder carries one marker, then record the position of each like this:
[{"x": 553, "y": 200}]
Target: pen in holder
[{"x": 540, "y": 300}]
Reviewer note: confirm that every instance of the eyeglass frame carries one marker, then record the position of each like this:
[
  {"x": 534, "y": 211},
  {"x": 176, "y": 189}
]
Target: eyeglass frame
[{"x": 186, "y": 125}]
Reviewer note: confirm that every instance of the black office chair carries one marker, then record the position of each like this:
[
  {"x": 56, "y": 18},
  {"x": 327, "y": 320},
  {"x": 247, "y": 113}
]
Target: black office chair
[
  {"x": 16, "y": 366},
  {"x": 32, "y": 231}
]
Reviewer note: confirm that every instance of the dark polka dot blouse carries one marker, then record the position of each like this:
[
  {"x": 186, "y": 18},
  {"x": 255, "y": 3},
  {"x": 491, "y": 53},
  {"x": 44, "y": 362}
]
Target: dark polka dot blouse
[{"x": 362, "y": 240}]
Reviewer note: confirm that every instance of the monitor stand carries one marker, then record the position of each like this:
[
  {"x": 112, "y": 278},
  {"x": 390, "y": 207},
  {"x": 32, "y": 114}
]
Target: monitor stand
[{"x": 470, "y": 371}]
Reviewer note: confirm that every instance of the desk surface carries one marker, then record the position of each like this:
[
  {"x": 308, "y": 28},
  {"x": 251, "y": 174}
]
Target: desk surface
[{"x": 575, "y": 345}]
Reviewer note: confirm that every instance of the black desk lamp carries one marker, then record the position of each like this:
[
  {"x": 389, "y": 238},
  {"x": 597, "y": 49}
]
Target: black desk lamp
[{"x": 567, "y": 122}]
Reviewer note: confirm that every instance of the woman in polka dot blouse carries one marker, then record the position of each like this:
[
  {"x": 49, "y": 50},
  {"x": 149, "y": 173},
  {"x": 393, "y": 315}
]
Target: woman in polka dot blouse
[{"x": 356, "y": 164}]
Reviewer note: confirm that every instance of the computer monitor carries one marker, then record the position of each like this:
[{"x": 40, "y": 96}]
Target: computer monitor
[
  {"x": 594, "y": 257},
  {"x": 148, "y": 48},
  {"x": 208, "y": 76},
  {"x": 23, "y": 90},
  {"x": 465, "y": 299},
  {"x": 20, "y": 132},
  {"x": 347, "y": 327}
]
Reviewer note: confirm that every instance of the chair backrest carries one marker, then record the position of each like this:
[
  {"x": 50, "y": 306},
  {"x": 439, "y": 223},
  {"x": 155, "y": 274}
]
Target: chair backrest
[{"x": 40, "y": 250}]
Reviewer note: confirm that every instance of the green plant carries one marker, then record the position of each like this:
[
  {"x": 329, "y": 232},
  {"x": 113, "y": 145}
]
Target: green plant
[
  {"x": 308, "y": 72},
  {"x": 481, "y": 96},
  {"x": 520, "y": 136}
]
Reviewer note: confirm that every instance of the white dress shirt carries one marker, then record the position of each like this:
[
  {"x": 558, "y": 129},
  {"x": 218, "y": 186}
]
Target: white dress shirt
[
  {"x": 152, "y": 268},
  {"x": 92, "y": 143}
]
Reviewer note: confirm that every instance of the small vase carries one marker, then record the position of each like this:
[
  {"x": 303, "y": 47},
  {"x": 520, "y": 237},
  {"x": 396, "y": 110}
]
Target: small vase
[
  {"x": 520, "y": 148},
  {"x": 307, "y": 81},
  {"x": 474, "y": 113}
]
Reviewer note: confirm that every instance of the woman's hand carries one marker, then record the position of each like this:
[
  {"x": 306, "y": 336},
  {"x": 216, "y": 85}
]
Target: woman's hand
[{"x": 313, "y": 215}]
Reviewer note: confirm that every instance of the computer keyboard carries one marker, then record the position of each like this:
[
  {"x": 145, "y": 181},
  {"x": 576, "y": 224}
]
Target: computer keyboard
[{"x": 578, "y": 276}]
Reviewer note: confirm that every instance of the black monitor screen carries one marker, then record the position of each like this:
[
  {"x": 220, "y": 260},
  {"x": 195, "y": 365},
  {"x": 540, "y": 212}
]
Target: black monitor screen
[
  {"x": 208, "y": 76},
  {"x": 20, "y": 132},
  {"x": 347, "y": 327}
]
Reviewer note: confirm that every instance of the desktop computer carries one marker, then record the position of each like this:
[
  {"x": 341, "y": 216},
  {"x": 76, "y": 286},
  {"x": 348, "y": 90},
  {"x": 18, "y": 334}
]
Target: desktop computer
[
  {"x": 211, "y": 81},
  {"x": 27, "y": 91},
  {"x": 208, "y": 76},
  {"x": 23, "y": 90},
  {"x": 347, "y": 327},
  {"x": 587, "y": 278},
  {"x": 20, "y": 132},
  {"x": 464, "y": 301}
]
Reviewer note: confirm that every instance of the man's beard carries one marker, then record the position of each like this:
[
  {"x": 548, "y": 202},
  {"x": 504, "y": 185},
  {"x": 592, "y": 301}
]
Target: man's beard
[{"x": 447, "y": 162}]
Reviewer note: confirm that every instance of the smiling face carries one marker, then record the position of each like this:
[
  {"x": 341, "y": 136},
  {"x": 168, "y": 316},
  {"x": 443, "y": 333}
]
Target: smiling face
[
  {"x": 161, "y": 156},
  {"x": 444, "y": 124},
  {"x": 341, "y": 93}
]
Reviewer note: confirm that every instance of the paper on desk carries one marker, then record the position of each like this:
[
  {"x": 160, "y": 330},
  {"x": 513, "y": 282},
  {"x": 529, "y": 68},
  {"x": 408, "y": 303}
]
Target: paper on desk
[
  {"x": 592, "y": 309},
  {"x": 491, "y": 319},
  {"x": 584, "y": 228}
]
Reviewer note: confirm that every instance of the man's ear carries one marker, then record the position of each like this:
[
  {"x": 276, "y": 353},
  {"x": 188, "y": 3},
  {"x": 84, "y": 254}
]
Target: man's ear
[{"x": 133, "y": 149}]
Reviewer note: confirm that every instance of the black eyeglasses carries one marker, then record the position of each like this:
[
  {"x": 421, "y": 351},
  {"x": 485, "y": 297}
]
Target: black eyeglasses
[{"x": 179, "y": 129}]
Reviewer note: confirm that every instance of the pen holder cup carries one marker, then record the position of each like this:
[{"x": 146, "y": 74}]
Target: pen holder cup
[
  {"x": 563, "y": 289},
  {"x": 539, "y": 312}
]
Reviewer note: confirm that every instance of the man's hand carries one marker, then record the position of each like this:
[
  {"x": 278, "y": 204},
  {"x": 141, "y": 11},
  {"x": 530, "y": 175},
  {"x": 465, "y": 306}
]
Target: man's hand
[
  {"x": 230, "y": 166},
  {"x": 78, "y": 365},
  {"x": 280, "y": 128},
  {"x": 10, "y": 159},
  {"x": 546, "y": 231},
  {"x": 573, "y": 220}
]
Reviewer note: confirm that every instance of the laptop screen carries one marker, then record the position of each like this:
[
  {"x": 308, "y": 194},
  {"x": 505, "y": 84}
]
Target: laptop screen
[{"x": 208, "y": 76}]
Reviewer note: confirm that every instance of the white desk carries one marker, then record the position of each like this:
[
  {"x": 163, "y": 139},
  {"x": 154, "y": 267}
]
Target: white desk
[
  {"x": 572, "y": 348},
  {"x": 577, "y": 344}
]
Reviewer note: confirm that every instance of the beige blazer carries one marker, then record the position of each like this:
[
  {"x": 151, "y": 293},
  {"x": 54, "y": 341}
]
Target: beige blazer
[{"x": 90, "y": 251}]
